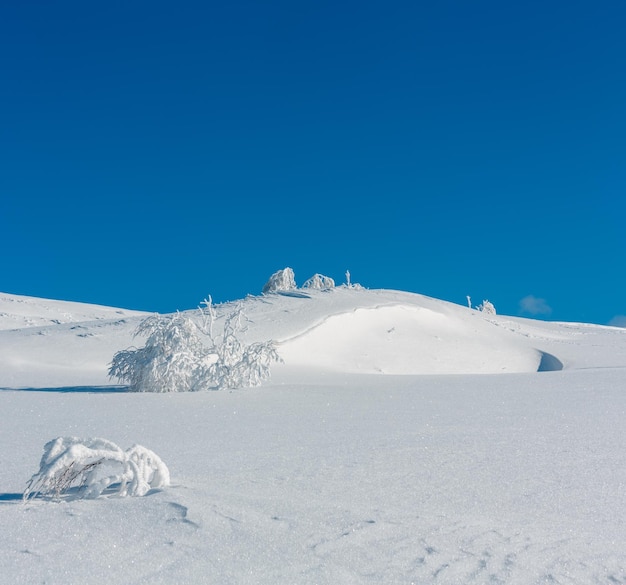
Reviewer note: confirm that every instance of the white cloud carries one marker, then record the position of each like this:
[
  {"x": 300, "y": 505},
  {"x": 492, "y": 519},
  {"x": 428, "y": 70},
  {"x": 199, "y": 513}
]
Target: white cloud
[
  {"x": 618, "y": 321},
  {"x": 533, "y": 305}
]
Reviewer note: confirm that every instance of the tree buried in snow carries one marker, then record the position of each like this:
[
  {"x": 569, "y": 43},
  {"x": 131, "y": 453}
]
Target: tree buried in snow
[
  {"x": 320, "y": 282},
  {"x": 181, "y": 356},
  {"x": 487, "y": 308},
  {"x": 88, "y": 468},
  {"x": 281, "y": 280}
]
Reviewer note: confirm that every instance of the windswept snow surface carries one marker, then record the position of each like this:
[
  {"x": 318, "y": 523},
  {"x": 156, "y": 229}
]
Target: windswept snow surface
[{"x": 404, "y": 440}]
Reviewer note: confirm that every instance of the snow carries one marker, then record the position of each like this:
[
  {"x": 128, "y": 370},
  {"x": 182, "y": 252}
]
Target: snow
[
  {"x": 403, "y": 440},
  {"x": 17, "y": 311}
]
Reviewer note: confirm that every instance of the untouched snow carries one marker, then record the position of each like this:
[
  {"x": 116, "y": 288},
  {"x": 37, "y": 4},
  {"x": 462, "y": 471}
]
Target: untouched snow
[
  {"x": 462, "y": 464},
  {"x": 403, "y": 339},
  {"x": 18, "y": 311}
]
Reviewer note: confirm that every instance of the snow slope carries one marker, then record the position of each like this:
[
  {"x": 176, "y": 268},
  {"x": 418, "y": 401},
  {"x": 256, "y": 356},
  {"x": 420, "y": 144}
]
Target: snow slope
[
  {"x": 18, "y": 312},
  {"x": 48, "y": 343},
  {"x": 336, "y": 331},
  {"x": 404, "y": 440}
]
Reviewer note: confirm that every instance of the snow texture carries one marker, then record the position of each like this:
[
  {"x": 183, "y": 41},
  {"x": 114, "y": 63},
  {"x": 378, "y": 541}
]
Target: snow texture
[{"x": 403, "y": 440}]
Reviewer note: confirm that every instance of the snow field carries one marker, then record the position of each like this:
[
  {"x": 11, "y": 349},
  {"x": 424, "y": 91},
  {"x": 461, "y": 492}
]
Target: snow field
[
  {"x": 323, "y": 475},
  {"x": 409, "y": 480}
]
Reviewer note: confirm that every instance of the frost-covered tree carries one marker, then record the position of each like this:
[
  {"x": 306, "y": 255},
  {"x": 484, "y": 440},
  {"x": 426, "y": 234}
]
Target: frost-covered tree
[
  {"x": 319, "y": 281},
  {"x": 181, "y": 356},
  {"x": 487, "y": 308},
  {"x": 174, "y": 358},
  {"x": 88, "y": 468},
  {"x": 281, "y": 280}
]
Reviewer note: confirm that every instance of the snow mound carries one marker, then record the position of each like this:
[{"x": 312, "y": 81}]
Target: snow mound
[{"x": 404, "y": 339}]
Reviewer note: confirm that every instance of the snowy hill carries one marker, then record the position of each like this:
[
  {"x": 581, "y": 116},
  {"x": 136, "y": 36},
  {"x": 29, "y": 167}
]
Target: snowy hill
[
  {"x": 403, "y": 440},
  {"x": 340, "y": 330}
]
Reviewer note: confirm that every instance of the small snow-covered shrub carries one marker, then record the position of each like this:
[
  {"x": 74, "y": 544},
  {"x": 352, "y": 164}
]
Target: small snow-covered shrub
[
  {"x": 181, "y": 356},
  {"x": 281, "y": 280},
  {"x": 88, "y": 468},
  {"x": 487, "y": 308},
  {"x": 319, "y": 281}
]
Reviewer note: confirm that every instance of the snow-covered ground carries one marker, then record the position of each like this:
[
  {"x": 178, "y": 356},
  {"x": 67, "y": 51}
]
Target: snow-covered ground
[{"x": 403, "y": 440}]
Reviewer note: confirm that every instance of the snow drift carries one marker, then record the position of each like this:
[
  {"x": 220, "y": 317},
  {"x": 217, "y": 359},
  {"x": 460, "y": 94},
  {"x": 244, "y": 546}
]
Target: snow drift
[{"x": 406, "y": 339}]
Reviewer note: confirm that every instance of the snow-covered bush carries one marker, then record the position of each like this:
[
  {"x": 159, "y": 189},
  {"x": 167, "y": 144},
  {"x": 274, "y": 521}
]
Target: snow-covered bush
[
  {"x": 181, "y": 356},
  {"x": 487, "y": 308},
  {"x": 236, "y": 365},
  {"x": 319, "y": 281},
  {"x": 281, "y": 280},
  {"x": 88, "y": 468},
  {"x": 174, "y": 358},
  {"x": 349, "y": 284}
]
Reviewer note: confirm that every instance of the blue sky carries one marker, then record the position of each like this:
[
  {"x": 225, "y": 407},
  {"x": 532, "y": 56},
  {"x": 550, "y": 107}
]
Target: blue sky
[{"x": 153, "y": 153}]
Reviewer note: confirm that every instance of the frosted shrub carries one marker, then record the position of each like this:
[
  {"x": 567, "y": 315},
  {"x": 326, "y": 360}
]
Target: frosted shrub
[
  {"x": 281, "y": 280},
  {"x": 350, "y": 284},
  {"x": 319, "y": 281},
  {"x": 487, "y": 308},
  {"x": 180, "y": 356},
  {"x": 236, "y": 364},
  {"x": 88, "y": 468},
  {"x": 174, "y": 358}
]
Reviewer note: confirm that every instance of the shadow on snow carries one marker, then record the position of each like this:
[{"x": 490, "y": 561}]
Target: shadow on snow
[
  {"x": 8, "y": 497},
  {"x": 73, "y": 389},
  {"x": 549, "y": 363}
]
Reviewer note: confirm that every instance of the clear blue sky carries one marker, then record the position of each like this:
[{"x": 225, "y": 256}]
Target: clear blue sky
[{"x": 153, "y": 153}]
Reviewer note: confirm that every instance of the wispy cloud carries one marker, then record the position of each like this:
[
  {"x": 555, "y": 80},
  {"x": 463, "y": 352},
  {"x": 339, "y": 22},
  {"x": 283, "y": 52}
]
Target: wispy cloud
[
  {"x": 618, "y": 321},
  {"x": 533, "y": 305}
]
